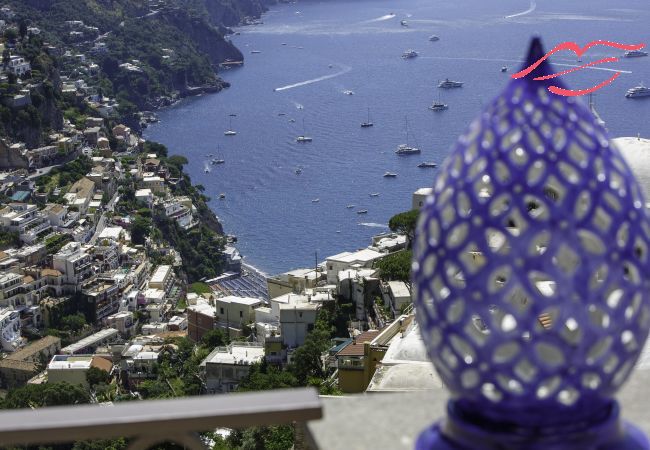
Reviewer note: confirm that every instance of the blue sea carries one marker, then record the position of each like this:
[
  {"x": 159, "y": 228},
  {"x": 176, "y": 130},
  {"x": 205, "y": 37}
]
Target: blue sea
[{"x": 311, "y": 52}]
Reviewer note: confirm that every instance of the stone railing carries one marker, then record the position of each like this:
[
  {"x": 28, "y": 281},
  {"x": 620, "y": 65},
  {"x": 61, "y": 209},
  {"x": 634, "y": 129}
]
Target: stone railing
[{"x": 146, "y": 423}]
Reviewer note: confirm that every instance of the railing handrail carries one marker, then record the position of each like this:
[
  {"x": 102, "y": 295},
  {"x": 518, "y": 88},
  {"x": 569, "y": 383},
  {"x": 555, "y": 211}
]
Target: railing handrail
[{"x": 154, "y": 419}]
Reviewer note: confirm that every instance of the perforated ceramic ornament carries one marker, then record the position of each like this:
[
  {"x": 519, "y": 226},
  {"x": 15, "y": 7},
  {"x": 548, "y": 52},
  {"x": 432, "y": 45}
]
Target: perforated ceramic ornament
[{"x": 531, "y": 272}]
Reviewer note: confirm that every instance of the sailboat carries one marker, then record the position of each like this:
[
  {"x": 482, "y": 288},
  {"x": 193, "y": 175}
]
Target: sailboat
[
  {"x": 367, "y": 123},
  {"x": 230, "y": 131},
  {"x": 303, "y": 137},
  {"x": 437, "y": 105},
  {"x": 217, "y": 160},
  {"x": 406, "y": 149}
]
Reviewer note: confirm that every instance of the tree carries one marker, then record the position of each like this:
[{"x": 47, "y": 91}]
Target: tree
[
  {"x": 140, "y": 229},
  {"x": 50, "y": 394},
  {"x": 262, "y": 377},
  {"x": 22, "y": 29},
  {"x": 95, "y": 376},
  {"x": 213, "y": 338},
  {"x": 177, "y": 161},
  {"x": 74, "y": 322},
  {"x": 396, "y": 266},
  {"x": 404, "y": 223}
]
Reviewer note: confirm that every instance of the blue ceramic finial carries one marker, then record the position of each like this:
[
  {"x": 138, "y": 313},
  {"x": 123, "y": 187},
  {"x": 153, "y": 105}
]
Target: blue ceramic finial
[{"x": 531, "y": 271}]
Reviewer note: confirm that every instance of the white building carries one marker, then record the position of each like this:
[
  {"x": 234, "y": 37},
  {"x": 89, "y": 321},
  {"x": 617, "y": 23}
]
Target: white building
[
  {"x": 346, "y": 260},
  {"x": 296, "y": 321},
  {"x": 162, "y": 278},
  {"x": 122, "y": 322},
  {"x": 18, "y": 66},
  {"x": 225, "y": 367},
  {"x": 10, "y": 329},
  {"x": 145, "y": 196},
  {"x": 420, "y": 196},
  {"x": 180, "y": 213},
  {"x": 73, "y": 262},
  {"x": 236, "y": 312},
  {"x": 73, "y": 368}
]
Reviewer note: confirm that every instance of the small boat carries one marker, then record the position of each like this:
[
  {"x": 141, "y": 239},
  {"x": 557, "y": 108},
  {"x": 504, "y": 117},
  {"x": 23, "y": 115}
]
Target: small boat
[
  {"x": 255, "y": 51},
  {"x": 410, "y": 53},
  {"x": 282, "y": 114},
  {"x": 316, "y": 200},
  {"x": 222, "y": 196},
  {"x": 350, "y": 206},
  {"x": 404, "y": 23},
  {"x": 434, "y": 38},
  {"x": 206, "y": 170},
  {"x": 374, "y": 194},
  {"x": 635, "y": 53},
  {"x": 367, "y": 123},
  {"x": 218, "y": 161},
  {"x": 348, "y": 92},
  {"x": 330, "y": 66},
  {"x": 390, "y": 175},
  {"x": 427, "y": 164},
  {"x": 284, "y": 43},
  {"x": 362, "y": 211},
  {"x": 298, "y": 171},
  {"x": 504, "y": 69},
  {"x": 292, "y": 120},
  {"x": 448, "y": 84}
]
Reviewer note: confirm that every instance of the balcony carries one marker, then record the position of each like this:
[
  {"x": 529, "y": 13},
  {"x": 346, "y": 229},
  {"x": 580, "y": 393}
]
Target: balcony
[
  {"x": 149, "y": 422},
  {"x": 393, "y": 419}
]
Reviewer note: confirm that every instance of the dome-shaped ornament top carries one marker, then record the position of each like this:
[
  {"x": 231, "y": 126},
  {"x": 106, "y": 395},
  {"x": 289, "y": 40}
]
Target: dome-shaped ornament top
[{"x": 531, "y": 265}]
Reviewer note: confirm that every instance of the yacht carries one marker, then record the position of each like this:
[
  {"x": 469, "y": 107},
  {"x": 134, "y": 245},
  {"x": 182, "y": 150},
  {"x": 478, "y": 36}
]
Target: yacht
[
  {"x": 638, "y": 91},
  {"x": 218, "y": 161},
  {"x": 316, "y": 200},
  {"x": 447, "y": 84},
  {"x": 438, "y": 106},
  {"x": 434, "y": 38},
  {"x": 403, "y": 23},
  {"x": 362, "y": 211},
  {"x": 409, "y": 54},
  {"x": 635, "y": 53},
  {"x": 374, "y": 194},
  {"x": 406, "y": 149},
  {"x": 348, "y": 92},
  {"x": 390, "y": 175},
  {"x": 427, "y": 164},
  {"x": 367, "y": 123},
  {"x": 350, "y": 206}
]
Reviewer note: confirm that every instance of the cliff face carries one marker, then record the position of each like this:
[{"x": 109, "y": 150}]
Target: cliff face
[
  {"x": 206, "y": 37},
  {"x": 231, "y": 12}
]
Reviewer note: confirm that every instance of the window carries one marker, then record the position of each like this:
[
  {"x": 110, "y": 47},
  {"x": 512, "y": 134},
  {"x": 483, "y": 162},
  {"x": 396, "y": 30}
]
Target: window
[
  {"x": 241, "y": 313},
  {"x": 220, "y": 310}
]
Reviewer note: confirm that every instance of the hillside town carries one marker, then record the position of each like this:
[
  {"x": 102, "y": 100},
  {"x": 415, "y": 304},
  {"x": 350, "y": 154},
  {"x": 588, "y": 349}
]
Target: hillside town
[{"x": 116, "y": 277}]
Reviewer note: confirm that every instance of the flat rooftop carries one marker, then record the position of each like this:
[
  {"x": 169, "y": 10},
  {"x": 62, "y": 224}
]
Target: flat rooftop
[{"x": 236, "y": 354}]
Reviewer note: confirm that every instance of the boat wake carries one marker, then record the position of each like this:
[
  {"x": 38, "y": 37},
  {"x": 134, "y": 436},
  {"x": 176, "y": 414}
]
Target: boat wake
[
  {"x": 381, "y": 19},
  {"x": 314, "y": 80},
  {"x": 373, "y": 225},
  {"x": 533, "y": 7},
  {"x": 606, "y": 69}
]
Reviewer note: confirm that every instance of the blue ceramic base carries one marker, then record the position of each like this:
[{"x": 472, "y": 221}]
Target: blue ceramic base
[{"x": 452, "y": 433}]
